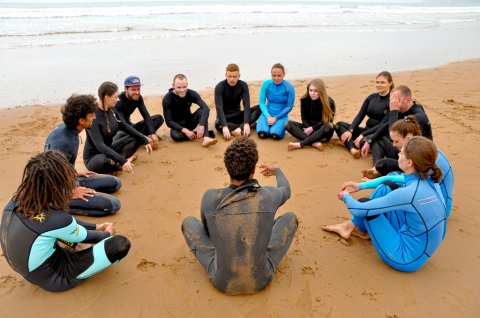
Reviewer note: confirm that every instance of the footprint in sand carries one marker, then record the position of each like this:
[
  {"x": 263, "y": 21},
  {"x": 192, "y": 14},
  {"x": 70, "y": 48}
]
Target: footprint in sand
[
  {"x": 370, "y": 295},
  {"x": 307, "y": 270},
  {"x": 146, "y": 265}
]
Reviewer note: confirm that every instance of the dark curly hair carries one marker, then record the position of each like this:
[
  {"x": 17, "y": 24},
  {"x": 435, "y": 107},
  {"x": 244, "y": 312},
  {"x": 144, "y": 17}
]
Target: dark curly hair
[
  {"x": 47, "y": 183},
  {"x": 240, "y": 158},
  {"x": 78, "y": 106}
]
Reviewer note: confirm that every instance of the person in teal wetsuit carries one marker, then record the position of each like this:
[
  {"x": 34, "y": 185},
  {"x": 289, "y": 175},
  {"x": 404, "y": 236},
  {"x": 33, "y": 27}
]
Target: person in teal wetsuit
[
  {"x": 35, "y": 220},
  {"x": 276, "y": 101},
  {"x": 418, "y": 209}
]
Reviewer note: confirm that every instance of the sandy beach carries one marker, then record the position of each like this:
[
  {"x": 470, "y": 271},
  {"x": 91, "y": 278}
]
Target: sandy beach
[{"x": 321, "y": 275}]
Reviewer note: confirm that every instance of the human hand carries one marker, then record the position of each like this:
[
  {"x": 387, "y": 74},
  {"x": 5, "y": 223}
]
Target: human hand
[
  {"x": 271, "y": 120},
  {"x": 365, "y": 149},
  {"x": 148, "y": 148},
  {"x": 103, "y": 226},
  {"x": 246, "y": 130},
  {"x": 85, "y": 173},
  {"x": 350, "y": 186},
  {"x": 341, "y": 195},
  {"x": 226, "y": 133},
  {"x": 200, "y": 131},
  {"x": 127, "y": 167},
  {"x": 190, "y": 134},
  {"x": 308, "y": 131},
  {"x": 154, "y": 141},
  {"x": 395, "y": 101},
  {"x": 267, "y": 169},
  {"x": 82, "y": 193},
  {"x": 110, "y": 229},
  {"x": 346, "y": 136},
  {"x": 358, "y": 141}
]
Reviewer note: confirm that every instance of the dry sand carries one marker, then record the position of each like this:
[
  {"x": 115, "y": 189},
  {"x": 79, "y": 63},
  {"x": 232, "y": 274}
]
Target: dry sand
[{"x": 321, "y": 275}]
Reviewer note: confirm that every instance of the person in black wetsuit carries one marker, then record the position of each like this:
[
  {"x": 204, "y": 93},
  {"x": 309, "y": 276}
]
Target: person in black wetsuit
[
  {"x": 401, "y": 105},
  {"x": 101, "y": 154},
  {"x": 78, "y": 114},
  {"x": 238, "y": 240},
  {"x": 231, "y": 120},
  {"x": 34, "y": 221},
  {"x": 185, "y": 125},
  {"x": 374, "y": 107},
  {"x": 317, "y": 110},
  {"x": 131, "y": 99}
]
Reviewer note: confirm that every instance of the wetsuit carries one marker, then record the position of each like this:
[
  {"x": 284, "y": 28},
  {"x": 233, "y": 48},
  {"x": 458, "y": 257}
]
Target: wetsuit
[
  {"x": 178, "y": 114},
  {"x": 374, "y": 107},
  {"x": 31, "y": 248},
  {"x": 311, "y": 112},
  {"x": 419, "y": 225},
  {"x": 125, "y": 107},
  {"x": 227, "y": 103},
  {"x": 276, "y": 100},
  {"x": 103, "y": 155},
  {"x": 238, "y": 242},
  {"x": 391, "y": 165},
  {"x": 381, "y": 145},
  {"x": 66, "y": 140}
]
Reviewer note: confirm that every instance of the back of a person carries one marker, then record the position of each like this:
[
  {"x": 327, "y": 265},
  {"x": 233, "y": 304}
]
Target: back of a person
[
  {"x": 424, "y": 226},
  {"x": 240, "y": 229},
  {"x": 446, "y": 183}
]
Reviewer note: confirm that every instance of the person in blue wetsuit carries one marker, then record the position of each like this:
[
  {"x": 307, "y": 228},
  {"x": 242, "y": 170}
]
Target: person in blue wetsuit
[
  {"x": 87, "y": 198},
  {"x": 102, "y": 153},
  {"x": 276, "y": 101},
  {"x": 418, "y": 211},
  {"x": 401, "y": 131},
  {"x": 374, "y": 108},
  {"x": 317, "y": 110},
  {"x": 35, "y": 220}
]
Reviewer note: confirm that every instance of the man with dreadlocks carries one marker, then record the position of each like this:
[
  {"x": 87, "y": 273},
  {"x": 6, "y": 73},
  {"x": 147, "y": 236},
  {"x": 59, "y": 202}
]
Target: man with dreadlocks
[
  {"x": 34, "y": 221},
  {"x": 78, "y": 114},
  {"x": 238, "y": 242}
]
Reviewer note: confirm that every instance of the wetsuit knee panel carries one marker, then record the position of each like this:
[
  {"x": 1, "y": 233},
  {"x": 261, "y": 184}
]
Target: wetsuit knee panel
[{"x": 117, "y": 248}]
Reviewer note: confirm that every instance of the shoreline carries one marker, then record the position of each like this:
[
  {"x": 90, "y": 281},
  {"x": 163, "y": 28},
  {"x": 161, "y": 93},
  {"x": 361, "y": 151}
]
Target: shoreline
[{"x": 320, "y": 275}]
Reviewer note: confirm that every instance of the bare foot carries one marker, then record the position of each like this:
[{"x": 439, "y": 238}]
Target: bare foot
[
  {"x": 132, "y": 158},
  {"x": 294, "y": 145},
  {"x": 318, "y": 145},
  {"x": 362, "y": 235},
  {"x": 370, "y": 173},
  {"x": 355, "y": 153},
  {"x": 338, "y": 142},
  {"x": 237, "y": 132},
  {"x": 343, "y": 229},
  {"x": 207, "y": 141}
]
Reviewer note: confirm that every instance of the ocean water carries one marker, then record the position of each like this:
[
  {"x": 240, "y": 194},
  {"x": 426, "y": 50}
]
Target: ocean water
[{"x": 49, "y": 50}]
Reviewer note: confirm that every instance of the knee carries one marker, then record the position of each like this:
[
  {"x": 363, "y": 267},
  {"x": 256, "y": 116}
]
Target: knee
[
  {"x": 117, "y": 248},
  {"x": 115, "y": 205},
  {"x": 262, "y": 135},
  {"x": 288, "y": 126},
  {"x": 117, "y": 184},
  {"x": 187, "y": 223}
]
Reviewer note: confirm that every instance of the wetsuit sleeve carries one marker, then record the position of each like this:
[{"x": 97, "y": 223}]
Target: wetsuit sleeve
[
  {"x": 400, "y": 199},
  {"x": 168, "y": 104},
  {"x": 76, "y": 233},
  {"x": 219, "y": 104},
  {"x": 372, "y": 184},
  {"x": 283, "y": 185},
  {"x": 246, "y": 103},
  {"x": 200, "y": 102},
  {"x": 263, "y": 98},
  {"x": 96, "y": 135},
  {"x": 290, "y": 100},
  {"x": 88, "y": 226},
  {"x": 146, "y": 117},
  {"x": 130, "y": 130},
  {"x": 361, "y": 114},
  {"x": 304, "y": 113}
]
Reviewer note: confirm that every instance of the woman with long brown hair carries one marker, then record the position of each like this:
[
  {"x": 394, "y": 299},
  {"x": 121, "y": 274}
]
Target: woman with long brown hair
[
  {"x": 317, "y": 110},
  {"x": 408, "y": 224},
  {"x": 36, "y": 219}
]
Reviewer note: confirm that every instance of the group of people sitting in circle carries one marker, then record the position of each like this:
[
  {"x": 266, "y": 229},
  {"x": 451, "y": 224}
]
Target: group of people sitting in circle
[{"x": 237, "y": 239}]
